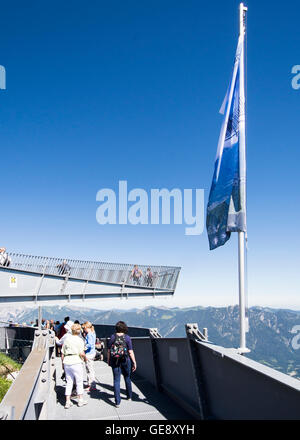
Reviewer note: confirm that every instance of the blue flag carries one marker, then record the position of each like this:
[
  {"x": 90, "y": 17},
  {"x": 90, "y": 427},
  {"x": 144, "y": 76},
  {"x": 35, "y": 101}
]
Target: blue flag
[{"x": 226, "y": 210}]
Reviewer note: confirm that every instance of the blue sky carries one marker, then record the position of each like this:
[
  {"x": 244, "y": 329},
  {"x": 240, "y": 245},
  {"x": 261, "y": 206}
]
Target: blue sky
[{"x": 99, "y": 92}]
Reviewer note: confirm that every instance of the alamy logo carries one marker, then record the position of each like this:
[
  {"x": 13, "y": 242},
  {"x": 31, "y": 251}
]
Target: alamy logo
[
  {"x": 296, "y": 78},
  {"x": 137, "y": 207},
  {"x": 2, "y": 78},
  {"x": 296, "y": 339}
]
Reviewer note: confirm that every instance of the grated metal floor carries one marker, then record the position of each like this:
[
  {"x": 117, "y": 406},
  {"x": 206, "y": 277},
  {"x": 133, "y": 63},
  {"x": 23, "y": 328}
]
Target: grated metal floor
[{"x": 146, "y": 404}]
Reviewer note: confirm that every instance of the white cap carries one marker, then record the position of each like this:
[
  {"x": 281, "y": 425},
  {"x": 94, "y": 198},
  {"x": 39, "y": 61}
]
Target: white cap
[{"x": 68, "y": 326}]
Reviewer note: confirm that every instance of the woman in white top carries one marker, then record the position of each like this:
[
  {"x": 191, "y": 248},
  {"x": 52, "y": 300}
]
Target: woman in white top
[{"x": 72, "y": 356}]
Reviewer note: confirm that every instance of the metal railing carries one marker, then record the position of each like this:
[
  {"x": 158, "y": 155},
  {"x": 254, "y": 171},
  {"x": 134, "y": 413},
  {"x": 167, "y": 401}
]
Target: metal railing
[
  {"x": 32, "y": 395},
  {"x": 212, "y": 382},
  {"x": 163, "y": 277}
]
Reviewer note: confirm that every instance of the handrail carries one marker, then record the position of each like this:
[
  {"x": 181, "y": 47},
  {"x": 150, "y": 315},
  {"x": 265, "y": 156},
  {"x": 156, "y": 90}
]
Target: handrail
[
  {"x": 33, "y": 383},
  {"x": 163, "y": 277},
  {"x": 20, "y": 392}
]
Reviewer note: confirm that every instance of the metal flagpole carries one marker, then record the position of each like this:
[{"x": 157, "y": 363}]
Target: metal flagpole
[{"x": 242, "y": 150}]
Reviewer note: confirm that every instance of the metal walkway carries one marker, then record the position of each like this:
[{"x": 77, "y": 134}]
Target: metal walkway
[
  {"x": 146, "y": 404},
  {"x": 41, "y": 279},
  {"x": 193, "y": 375}
]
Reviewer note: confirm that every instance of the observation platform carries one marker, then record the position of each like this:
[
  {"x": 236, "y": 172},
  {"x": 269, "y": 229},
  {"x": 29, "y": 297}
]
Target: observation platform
[
  {"x": 45, "y": 279},
  {"x": 146, "y": 404},
  {"x": 176, "y": 379}
]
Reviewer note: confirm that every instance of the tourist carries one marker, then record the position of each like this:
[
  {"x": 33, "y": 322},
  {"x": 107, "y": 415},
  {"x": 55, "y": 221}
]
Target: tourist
[
  {"x": 63, "y": 329},
  {"x": 136, "y": 274},
  {"x": 63, "y": 268},
  {"x": 72, "y": 356},
  {"x": 61, "y": 340},
  {"x": 149, "y": 277},
  {"x": 99, "y": 350},
  {"x": 120, "y": 357},
  {"x": 67, "y": 332},
  {"x": 51, "y": 325},
  {"x": 57, "y": 327},
  {"x": 90, "y": 351},
  {"x": 4, "y": 258}
]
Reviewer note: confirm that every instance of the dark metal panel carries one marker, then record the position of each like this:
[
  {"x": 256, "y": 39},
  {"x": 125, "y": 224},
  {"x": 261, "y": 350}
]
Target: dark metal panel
[
  {"x": 16, "y": 342},
  {"x": 244, "y": 389},
  {"x": 176, "y": 369},
  {"x": 24, "y": 333},
  {"x": 144, "y": 357}
]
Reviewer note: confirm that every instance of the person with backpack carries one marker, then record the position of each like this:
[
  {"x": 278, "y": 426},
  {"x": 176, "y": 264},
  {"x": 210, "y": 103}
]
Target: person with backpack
[{"x": 120, "y": 356}]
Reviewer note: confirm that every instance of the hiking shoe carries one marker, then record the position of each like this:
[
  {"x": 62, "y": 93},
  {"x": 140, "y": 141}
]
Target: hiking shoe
[
  {"x": 68, "y": 405},
  {"x": 82, "y": 402}
]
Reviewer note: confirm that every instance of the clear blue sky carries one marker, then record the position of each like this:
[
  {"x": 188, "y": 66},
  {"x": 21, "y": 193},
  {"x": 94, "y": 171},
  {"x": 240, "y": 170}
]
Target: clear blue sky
[{"x": 102, "y": 91}]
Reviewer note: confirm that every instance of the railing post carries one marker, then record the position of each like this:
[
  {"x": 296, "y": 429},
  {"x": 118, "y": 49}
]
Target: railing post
[
  {"x": 154, "y": 335},
  {"x": 40, "y": 318},
  {"x": 41, "y": 281},
  {"x": 6, "y": 341},
  {"x": 45, "y": 394},
  {"x": 193, "y": 334}
]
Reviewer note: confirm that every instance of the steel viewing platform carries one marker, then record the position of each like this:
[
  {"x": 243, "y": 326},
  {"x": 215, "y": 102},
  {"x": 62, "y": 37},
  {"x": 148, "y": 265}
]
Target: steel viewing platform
[
  {"x": 176, "y": 378},
  {"x": 42, "y": 279}
]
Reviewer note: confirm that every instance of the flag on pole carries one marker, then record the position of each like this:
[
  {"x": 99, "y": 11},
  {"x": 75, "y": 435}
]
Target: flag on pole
[{"x": 226, "y": 209}]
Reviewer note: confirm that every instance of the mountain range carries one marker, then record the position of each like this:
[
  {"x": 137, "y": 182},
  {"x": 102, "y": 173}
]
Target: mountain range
[{"x": 272, "y": 336}]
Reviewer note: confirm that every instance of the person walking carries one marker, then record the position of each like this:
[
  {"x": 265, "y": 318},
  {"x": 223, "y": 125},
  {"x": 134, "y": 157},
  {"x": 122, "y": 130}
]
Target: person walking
[
  {"x": 72, "y": 356},
  {"x": 136, "y": 275},
  {"x": 149, "y": 277},
  {"x": 62, "y": 329},
  {"x": 121, "y": 358},
  {"x": 60, "y": 343},
  {"x": 63, "y": 268},
  {"x": 90, "y": 352}
]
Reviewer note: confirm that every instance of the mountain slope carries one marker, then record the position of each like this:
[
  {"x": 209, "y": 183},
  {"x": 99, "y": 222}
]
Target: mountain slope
[{"x": 269, "y": 338}]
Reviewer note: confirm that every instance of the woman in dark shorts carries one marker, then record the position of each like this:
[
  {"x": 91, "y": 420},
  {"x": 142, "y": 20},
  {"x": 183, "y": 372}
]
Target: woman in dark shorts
[{"x": 125, "y": 364}]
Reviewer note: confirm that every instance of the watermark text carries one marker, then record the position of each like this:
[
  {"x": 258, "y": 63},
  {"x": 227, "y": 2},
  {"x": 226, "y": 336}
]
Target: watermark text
[{"x": 159, "y": 206}]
